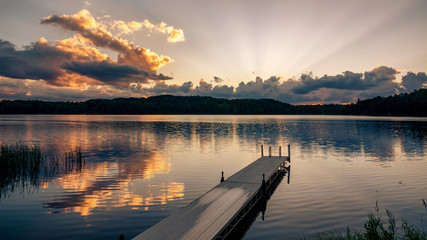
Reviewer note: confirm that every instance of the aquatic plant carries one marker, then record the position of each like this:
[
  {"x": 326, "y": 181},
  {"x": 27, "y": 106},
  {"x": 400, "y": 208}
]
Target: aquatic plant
[
  {"x": 378, "y": 229},
  {"x": 23, "y": 166}
]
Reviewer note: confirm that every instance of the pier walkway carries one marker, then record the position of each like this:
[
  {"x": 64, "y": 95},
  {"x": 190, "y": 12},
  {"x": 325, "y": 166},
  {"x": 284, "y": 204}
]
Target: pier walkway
[{"x": 214, "y": 214}]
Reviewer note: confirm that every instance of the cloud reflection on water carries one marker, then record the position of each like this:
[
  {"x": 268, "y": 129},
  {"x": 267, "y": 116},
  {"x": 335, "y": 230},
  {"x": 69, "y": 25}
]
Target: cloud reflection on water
[{"x": 107, "y": 185}]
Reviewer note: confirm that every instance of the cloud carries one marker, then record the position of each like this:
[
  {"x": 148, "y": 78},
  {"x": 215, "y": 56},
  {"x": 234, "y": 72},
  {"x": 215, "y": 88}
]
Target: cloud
[
  {"x": 259, "y": 88},
  {"x": 95, "y": 34},
  {"x": 175, "y": 35},
  {"x": 341, "y": 88},
  {"x": 206, "y": 89},
  {"x": 161, "y": 88},
  {"x": 186, "y": 89},
  {"x": 77, "y": 61},
  {"x": 112, "y": 73},
  {"x": 37, "y": 61},
  {"x": 273, "y": 87},
  {"x": 270, "y": 88},
  {"x": 347, "y": 80},
  {"x": 80, "y": 21},
  {"x": 105, "y": 71},
  {"x": 31, "y": 89},
  {"x": 218, "y": 79},
  {"x": 414, "y": 81}
]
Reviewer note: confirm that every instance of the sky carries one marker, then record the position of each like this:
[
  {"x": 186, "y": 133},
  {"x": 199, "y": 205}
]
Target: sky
[{"x": 300, "y": 52}]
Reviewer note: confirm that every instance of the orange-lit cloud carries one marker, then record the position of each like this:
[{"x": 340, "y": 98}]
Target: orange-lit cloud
[
  {"x": 86, "y": 26},
  {"x": 77, "y": 61},
  {"x": 75, "y": 22},
  {"x": 175, "y": 35},
  {"x": 80, "y": 50}
]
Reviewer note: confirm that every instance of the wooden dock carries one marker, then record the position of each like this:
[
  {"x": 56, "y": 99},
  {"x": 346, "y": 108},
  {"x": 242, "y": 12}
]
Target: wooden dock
[{"x": 214, "y": 214}]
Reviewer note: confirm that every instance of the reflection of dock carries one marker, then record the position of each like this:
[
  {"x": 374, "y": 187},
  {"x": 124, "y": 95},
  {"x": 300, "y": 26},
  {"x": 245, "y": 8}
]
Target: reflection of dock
[{"x": 215, "y": 214}]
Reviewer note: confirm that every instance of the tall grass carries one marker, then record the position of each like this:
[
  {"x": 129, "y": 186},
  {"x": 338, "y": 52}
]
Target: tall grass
[
  {"x": 22, "y": 166},
  {"x": 376, "y": 228}
]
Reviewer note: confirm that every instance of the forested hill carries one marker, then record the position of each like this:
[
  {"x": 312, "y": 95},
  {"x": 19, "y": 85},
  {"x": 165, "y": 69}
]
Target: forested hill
[{"x": 413, "y": 104}]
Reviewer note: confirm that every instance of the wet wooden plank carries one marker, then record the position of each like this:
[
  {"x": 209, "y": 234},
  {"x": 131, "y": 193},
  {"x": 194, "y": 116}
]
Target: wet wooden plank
[{"x": 206, "y": 216}]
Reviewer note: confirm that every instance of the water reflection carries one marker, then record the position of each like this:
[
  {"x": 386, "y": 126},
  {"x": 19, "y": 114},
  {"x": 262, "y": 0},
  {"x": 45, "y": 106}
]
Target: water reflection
[
  {"x": 118, "y": 139},
  {"x": 239, "y": 231},
  {"x": 150, "y": 165},
  {"x": 25, "y": 167},
  {"x": 130, "y": 150},
  {"x": 108, "y": 185},
  {"x": 124, "y": 153}
]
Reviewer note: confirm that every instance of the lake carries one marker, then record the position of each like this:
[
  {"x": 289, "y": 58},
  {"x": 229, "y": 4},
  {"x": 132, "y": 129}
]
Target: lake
[{"x": 140, "y": 168}]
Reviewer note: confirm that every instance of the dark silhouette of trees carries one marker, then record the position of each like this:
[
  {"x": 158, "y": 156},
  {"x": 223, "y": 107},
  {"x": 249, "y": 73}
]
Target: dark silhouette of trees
[{"x": 413, "y": 104}]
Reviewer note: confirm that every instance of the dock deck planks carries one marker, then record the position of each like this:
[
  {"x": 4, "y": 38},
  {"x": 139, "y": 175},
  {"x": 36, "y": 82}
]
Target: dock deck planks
[{"x": 205, "y": 217}]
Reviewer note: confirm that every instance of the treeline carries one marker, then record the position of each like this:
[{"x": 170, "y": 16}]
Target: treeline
[{"x": 413, "y": 104}]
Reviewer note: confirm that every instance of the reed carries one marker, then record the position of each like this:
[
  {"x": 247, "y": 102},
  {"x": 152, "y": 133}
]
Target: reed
[
  {"x": 376, "y": 228},
  {"x": 23, "y": 166}
]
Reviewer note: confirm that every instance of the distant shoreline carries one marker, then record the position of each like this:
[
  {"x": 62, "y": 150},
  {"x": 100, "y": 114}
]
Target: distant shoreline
[{"x": 410, "y": 105}]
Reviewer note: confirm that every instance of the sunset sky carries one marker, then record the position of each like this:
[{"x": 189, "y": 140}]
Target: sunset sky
[{"x": 316, "y": 51}]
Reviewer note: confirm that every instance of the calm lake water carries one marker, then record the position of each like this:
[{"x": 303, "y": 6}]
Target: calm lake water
[{"x": 141, "y": 168}]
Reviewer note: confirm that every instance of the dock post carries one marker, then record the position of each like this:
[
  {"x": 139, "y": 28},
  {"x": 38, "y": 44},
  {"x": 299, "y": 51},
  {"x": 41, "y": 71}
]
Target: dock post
[
  {"x": 269, "y": 151},
  {"x": 280, "y": 151},
  {"x": 263, "y": 185},
  {"x": 289, "y": 152},
  {"x": 222, "y": 177},
  {"x": 262, "y": 150}
]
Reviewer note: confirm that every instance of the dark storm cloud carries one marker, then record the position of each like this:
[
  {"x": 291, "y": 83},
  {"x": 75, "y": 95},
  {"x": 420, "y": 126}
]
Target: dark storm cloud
[{"x": 414, "y": 81}]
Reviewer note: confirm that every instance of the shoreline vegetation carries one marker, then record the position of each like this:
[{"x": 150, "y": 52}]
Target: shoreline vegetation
[
  {"x": 27, "y": 166},
  {"x": 412, "y": 104},
  {"x": 377, "y": 228}
]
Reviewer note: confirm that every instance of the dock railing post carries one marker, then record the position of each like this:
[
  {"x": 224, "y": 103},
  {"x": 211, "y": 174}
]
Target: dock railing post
[
  {"x": 289, "y": 152},
  {"x": 263, "y": 185},
  {"x": 280, "y": 151},
  {"x": 262, "y": 150},
  {"x": 269, "y": 151}
]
